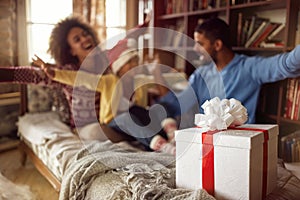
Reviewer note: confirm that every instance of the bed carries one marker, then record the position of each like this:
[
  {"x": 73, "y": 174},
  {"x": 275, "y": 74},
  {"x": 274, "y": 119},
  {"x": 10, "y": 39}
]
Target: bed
[{"x": 104, "y": 170}]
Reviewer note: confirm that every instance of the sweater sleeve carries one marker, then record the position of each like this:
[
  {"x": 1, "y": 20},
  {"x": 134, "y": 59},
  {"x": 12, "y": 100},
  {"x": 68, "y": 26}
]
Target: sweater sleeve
[
  {"x": 108, "y": 85},
  {"x": 274, "y": 68},
  {"x": 293, "y": 60},
  {"x": 111, "y": 94},
  {"x": 24, "y": 75},
  {"x": 78, "y": 78}
]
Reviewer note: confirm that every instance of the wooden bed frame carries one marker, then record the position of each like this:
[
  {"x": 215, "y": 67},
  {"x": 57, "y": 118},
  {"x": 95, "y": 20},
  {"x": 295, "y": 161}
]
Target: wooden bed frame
[
  {"x": 39, "y": 165},
  {"x": 27, "y": 151}
]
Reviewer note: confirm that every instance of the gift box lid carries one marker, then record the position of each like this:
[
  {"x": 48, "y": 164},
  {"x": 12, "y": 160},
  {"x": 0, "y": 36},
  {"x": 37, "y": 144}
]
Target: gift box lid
[
  {"x": 228, "y": 138},
  {"x": 273, "y": 129}
]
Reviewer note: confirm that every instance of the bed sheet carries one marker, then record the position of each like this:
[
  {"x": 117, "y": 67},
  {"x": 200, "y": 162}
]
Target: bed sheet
[{"x": 50, "y": 139}]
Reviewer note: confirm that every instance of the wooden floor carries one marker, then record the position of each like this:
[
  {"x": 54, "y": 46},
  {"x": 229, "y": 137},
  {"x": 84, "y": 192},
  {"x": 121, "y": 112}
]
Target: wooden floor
[{"x": 10, "y": 167}]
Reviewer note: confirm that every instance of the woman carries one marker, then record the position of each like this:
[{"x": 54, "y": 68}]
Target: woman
[
  {"x": 118, "y": 108},
  {"x": 73, "y": 45}
]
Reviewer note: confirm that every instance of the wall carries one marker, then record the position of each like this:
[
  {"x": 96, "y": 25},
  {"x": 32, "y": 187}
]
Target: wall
[
  {"x": 8, "y": 49},
  {"x": 132, "y": 14},
  {"x": 7, "y": 32}
]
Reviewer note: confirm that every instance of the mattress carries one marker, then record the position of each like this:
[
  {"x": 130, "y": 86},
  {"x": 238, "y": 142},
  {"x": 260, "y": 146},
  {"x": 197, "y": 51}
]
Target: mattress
[{"x": 51, "y": 140}]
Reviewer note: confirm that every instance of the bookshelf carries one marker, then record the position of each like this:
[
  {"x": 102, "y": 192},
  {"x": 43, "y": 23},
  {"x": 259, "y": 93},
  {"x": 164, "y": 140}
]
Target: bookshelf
[{"x": 236, "y": 12}]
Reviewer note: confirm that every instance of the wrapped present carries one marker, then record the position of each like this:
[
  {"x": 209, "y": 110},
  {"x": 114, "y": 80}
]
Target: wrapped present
[{"x": 232, "y": 163}]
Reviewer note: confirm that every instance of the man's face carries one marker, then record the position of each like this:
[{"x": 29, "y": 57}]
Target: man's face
[{"x": 204, "y": 47}]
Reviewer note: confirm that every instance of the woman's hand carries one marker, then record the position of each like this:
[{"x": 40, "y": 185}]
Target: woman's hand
[{"x": 37, "y": 61}]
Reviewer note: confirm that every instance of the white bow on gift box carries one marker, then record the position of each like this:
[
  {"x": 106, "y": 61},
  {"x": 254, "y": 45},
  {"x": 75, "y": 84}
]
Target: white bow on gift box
[{"x": 220, "y": 114}]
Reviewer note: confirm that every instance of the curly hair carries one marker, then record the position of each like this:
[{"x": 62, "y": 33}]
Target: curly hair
[{"x": 59, "y": 48}]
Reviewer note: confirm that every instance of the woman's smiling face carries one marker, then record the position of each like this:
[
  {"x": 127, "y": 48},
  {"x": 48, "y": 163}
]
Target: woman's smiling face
[{"x": 81, "y": 43}]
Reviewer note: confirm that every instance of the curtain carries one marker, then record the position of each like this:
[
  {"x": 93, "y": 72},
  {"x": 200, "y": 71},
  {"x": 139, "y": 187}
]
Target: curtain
[{"x": 94, "y": 12}]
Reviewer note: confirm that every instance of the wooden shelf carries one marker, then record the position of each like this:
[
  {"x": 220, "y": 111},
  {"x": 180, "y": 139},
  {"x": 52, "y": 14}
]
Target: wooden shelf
[
  {"x": 265, "y": 5},
  {"x": 275, "y": 49},
  {"x": 10, "y": 95},
  {"x": 290, "y": 121},
  {"x": 7, "y": 144},
  {"x": 9, "y": 98}
]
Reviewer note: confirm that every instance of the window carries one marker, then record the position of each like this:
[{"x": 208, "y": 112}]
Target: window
[
  {"x": 115, "y": 21},
  {"x": 41, "y": 18},
  {"x": 42, "y": 15}
]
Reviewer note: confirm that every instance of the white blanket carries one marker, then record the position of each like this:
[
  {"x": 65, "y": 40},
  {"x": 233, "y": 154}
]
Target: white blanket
[
  {"x": 37, "y": 128},
  {"x": 122, "y": 174}
]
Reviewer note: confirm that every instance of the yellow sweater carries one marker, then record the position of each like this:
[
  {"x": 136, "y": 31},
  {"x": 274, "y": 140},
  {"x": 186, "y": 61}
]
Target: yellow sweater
[{"x": 108, "y": 85}]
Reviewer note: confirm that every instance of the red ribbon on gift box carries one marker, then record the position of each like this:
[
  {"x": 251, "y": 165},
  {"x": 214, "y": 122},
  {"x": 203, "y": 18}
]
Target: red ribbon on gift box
[
  {"x": 208, "y": 178},
  {"x": 208, "y": 159}
]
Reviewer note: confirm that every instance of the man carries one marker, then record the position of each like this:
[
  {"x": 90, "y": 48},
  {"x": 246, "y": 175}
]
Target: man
[{"x": 226, "y": 74}]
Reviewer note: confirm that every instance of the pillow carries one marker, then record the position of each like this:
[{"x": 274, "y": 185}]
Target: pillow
[
  {"x": 44, "y": 99},
  {"x": 39, "y": 99}
]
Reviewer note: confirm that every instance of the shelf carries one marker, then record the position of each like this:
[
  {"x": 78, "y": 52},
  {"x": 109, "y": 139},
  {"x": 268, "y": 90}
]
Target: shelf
[
  {"x": 192, "y": 13},
  {"x": 172, "y": 16},
  {"x": 290, "y": 121},
  {"x": 175, "y": 49},
  {"x": 9, "y": 98},
  {"x": 207, "y": 11},
  {"x": 271, "y": 4},
  {"x": 10, "y": 95},
  {"x": 258, "y": 49},
  {"x": 275, "y": 49}
]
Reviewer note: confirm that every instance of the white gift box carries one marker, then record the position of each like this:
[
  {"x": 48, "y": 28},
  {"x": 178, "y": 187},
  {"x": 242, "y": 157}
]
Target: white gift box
[{"x": 228, "y": 164}]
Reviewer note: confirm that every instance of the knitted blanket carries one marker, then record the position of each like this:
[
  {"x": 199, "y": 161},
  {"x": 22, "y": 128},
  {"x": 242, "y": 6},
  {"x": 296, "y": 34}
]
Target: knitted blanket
[{"x": 103, "y": 170}]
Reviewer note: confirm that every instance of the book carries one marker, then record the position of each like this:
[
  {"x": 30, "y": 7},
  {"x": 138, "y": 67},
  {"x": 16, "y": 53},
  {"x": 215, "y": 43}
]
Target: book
[
  {"x": 296, "y": 111},
  {"x": 276, "y": 31},
  {"x": 289, "y": 100},
  {"x": 251, "y": 27},
  {"x": 178, "y": 34},
  {"x": 271, "y": 26},
  {"x": 272, "y": 44},
  {"x": 290, "y": 147},
  {"x": 295, "y": 90},
  {"x": 168, "y": 40},
  {"x": 169, "y": 7},
  {"x": 256, "y": 33},
  {"x": 244, "y": 32},
  {"x": 239, "y": 29}
]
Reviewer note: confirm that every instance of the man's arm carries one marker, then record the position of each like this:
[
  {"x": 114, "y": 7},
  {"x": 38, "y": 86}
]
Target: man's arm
[{"x": 275, "y": 68}]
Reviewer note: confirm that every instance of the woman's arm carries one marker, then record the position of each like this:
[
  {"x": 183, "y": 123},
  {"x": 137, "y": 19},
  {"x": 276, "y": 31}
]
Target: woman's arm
[
  {"x": 80, "y": 78},
  {"x": 26, "y": 75},
  {"x": 108, "y": 85}
]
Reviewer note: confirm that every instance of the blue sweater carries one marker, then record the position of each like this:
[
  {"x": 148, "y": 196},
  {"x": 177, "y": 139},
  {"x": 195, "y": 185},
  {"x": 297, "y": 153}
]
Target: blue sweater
[{"x": 240, "y": 79}]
